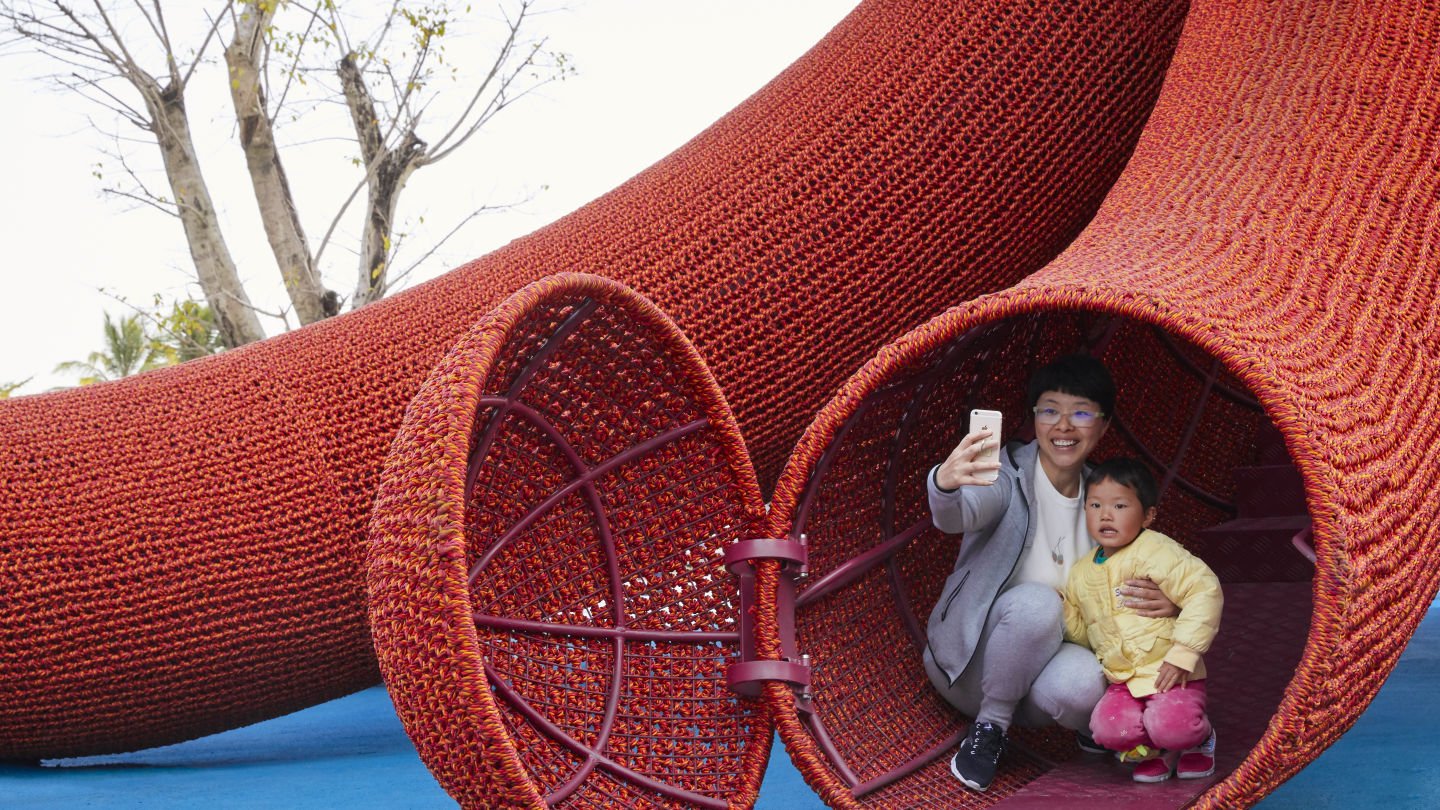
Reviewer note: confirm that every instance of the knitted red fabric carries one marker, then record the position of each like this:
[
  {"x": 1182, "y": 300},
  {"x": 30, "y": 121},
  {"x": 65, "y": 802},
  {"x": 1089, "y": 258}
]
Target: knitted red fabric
[
  {"x": 181, "y": 552},
  {"x": 546, "y": 595},
  {"x": 1267, "y": 258}
]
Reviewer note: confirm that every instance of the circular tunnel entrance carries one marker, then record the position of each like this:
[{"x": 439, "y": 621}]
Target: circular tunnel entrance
[{"x": 872, "y": 731}]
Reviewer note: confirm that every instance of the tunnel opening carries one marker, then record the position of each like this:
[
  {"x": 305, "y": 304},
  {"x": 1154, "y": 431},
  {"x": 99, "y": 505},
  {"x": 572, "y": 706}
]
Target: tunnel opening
[
  {"x": 552, "y": 612},
  {"x": 1229, "y": 492}
]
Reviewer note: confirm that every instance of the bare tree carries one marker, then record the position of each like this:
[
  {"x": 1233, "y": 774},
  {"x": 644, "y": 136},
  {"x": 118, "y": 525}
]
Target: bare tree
[{"x": 286, "y": 61}]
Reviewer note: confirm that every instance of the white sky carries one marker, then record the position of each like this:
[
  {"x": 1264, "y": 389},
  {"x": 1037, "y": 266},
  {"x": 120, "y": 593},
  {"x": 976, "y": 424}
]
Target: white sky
[{"x": 651, "y": 75}]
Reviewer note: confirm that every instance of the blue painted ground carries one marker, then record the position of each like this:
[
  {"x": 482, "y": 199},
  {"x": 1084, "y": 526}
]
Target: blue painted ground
[{"x": 352, "y": 753}]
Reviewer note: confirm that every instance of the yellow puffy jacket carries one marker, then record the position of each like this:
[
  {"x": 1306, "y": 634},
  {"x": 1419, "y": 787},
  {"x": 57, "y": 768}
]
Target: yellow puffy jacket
[{"x": 1131, "y": 647}]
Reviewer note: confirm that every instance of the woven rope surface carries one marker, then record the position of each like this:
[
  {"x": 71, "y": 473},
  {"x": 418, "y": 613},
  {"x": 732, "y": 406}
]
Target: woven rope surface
[
  {"x": 1280, "y": 220},
  {"x": 877, "y": 565},
  {"x": 182, "y": 552},
  {"x": 558, "y": 554}
]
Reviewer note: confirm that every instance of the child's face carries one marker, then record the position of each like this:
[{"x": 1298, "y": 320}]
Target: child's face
[{"x": 1113, "y": 514}]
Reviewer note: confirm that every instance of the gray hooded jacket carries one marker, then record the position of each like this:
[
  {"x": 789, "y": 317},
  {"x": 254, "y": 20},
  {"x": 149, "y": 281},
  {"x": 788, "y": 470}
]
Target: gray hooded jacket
[{"x": 997, "y": 527}]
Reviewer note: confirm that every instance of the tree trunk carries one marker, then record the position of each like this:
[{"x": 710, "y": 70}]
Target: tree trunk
[
  {"x": 387, "y": 171},
  {"x": 267, "y": 175},
  {"x": 213, "y": 264}
]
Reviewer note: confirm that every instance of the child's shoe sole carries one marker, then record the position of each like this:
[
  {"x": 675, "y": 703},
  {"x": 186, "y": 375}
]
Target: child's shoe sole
[{"x": 965, "y": 780}]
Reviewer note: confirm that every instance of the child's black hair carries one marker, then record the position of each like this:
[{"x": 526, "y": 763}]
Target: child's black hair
[
  {"x": 1078, "y": 375},
  {"x": 1127, "y": 472}
]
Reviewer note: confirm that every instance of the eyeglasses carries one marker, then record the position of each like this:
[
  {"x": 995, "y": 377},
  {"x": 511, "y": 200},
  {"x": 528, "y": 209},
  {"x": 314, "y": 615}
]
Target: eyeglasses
[{"x": 1080, "y": 419}]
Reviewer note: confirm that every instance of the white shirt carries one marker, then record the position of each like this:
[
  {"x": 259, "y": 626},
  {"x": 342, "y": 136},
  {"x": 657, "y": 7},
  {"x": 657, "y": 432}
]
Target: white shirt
[{"x": 1060, "y": 537}]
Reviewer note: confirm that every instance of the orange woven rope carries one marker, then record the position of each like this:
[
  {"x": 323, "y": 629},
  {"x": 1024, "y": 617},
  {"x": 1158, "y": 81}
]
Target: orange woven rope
[
  {"x": 1280, "y": 216},
  {"x": 621, "y": 654},
  {"x": 181, "y": 551}
]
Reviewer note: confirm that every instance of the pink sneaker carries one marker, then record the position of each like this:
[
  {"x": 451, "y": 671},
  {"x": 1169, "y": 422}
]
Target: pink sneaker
[
  {"x": 1198, "y": 762},
  {"x": 1156, "y": 769}
]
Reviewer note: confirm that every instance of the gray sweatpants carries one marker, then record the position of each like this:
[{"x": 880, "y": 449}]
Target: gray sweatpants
[{"x": 1022, "y": 671}]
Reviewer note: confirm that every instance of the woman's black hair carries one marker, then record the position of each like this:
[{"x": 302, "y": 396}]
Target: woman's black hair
[
  {"x": 1078, "y": 375},
  {"x": 1127, "y": 472}
]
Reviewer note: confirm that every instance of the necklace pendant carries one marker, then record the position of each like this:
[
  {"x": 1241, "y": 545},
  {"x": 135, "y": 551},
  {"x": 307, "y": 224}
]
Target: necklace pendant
[{"x": 1058, "y": 557}]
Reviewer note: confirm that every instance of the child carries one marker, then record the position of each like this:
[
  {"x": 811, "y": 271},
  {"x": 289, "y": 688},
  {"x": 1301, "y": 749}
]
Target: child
[{"x": 1156, "y": 697}]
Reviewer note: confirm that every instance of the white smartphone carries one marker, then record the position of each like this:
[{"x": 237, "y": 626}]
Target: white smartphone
[{"x": 980, "y": 420}]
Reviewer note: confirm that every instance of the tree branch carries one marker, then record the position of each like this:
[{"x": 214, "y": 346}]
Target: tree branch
[
  {"x": 210, "y": 36},
  {"x": 122, "y": 58},
  {"x": 374, "y": 47},
  {"x": 146, "y": 196},
  {"x": 396, "y": 279},
  {"x": 117, "y": 105},
  {"x": 50, "y": 35},
  {"x": 495, "y": 67},
  {"x": 159, "y": 32},
  {"x": 335, "y": 221},
  {"x": 294, "y": 68},
  {"x": 362, "y": 109}
]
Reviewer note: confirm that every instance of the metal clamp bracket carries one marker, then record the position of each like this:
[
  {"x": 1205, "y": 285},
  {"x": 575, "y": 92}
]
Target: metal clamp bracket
[
  {"x": 746, "y": 675},
  {"x": 744, "y": 551}
]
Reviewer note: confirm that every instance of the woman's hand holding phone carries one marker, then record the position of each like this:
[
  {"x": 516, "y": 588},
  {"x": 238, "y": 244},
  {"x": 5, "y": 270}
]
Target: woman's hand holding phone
[{"x": 976, "y": 460}]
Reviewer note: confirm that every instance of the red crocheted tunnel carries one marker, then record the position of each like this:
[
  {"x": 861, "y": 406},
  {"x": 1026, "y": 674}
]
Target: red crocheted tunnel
[
  {"x": 182, "y": 552},
  {"x": 864, "y": 723},
  {"x": 1262, "y": 281}
]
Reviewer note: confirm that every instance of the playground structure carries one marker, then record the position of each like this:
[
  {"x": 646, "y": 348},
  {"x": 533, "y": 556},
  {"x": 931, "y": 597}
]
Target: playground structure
[{"x": 548, "y": 536}]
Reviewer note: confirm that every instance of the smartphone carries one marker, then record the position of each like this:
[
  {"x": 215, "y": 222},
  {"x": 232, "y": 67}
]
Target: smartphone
[{"x": 980, "y": 420}]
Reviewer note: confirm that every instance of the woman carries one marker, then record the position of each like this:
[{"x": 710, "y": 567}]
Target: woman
[{"x": 995, "y": 646}]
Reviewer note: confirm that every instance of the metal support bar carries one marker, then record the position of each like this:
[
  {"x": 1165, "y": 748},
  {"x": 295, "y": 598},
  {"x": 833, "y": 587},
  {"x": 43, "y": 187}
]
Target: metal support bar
[{"x": 1302, "y": 543}]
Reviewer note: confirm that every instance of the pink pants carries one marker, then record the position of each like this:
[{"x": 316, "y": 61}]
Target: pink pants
[{"x": 1173, "y": 720}]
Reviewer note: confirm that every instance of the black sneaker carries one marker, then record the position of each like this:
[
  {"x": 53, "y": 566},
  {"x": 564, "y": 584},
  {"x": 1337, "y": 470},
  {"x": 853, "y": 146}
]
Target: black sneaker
[
  {"x": 979, "y": 755},
  {"x": 1087, "y": 744}
]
